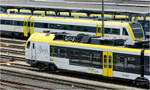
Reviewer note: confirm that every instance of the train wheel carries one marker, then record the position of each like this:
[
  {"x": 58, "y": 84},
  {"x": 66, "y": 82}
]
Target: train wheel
[
  {"x": 41, "y": 67},
  {"x": 141, "y": 81},
  {"x": 52, "y": 68}
]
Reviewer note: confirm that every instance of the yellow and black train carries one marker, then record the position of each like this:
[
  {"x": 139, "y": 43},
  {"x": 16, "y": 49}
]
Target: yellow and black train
[{"x": 56, "y": 53}]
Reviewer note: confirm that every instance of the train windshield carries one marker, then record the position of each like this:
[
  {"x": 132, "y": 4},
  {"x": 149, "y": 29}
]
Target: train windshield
[{"x": 137, "y": 30}]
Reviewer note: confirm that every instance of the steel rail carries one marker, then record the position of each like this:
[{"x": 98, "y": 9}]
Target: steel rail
[
  {"x": 27, "y": 74},
  {"x": 67, "y": 80}
]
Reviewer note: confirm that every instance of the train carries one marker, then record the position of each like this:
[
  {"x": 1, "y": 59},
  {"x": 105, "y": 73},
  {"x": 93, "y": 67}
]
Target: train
[
  {"x": 145, "y": 24},
  {"x": 55, "y": 52},
  {"x": 25, "y": 25}
]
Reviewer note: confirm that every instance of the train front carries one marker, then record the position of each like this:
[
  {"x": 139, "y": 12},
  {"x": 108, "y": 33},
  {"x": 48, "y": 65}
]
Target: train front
[{"x": 138, "y": 32}]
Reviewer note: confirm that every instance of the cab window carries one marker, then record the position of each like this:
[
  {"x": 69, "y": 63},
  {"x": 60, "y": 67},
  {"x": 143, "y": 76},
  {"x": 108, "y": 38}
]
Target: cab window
[
  {"x": 28, "y": 45},
  {"x": 124, "y": 32}
]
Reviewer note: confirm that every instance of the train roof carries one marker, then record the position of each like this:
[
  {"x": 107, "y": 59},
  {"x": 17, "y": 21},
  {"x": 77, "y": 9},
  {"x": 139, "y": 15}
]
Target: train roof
[
  {"x": 51, "y": 39},
  {"x": 14, "y": 16},
  {"x": 78, "y": 20}
]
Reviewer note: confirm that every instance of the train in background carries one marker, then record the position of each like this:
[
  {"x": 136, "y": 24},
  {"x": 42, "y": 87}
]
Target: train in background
[
  {"x": 87, "y": 55},
  {"x": 145, "y": 24},
  {"x": 25, "y": 25}
]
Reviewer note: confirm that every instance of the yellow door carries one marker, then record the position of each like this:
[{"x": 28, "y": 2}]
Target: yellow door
[
  {"x": 99, "y": 30},
  {"x": 105, "y": 64},
  {"x": 108, "y": 64},
  {"x": 31, "y": 27},
  {"x": 25, "y": 27}
]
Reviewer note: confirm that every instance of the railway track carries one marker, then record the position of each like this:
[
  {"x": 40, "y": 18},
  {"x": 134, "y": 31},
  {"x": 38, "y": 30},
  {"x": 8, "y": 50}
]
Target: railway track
[
  {"x": 61, "y": 79},
  {"x": 34, "y": 75},
  {"x": 12, "y": 49},
  {"x": 23, "y": 67},
  {"x": 19, "y": 85}
]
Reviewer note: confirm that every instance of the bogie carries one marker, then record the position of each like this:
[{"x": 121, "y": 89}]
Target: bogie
[
  {"x": 52, "y": 68},
  {"x": 141, "y": 81},
  {"x": 42, "y": 66}
]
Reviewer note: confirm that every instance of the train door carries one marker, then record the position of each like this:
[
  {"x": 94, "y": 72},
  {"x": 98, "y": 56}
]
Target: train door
[
  {"x": 99, "y": 30},
  {"x": 31, "y": 27},
  {"x": 108, "y": 64},
  {"x": 33, "y": 51},
  {"x": 28, "y": 50},
  {"x": 25, "y": 27}
]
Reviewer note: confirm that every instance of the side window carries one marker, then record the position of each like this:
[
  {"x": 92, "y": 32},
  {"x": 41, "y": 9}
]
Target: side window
[
  {"x": 14, "y": 22},
  {"x": 124, "y": 32},
  {"x": 96, "y": 59},
  {"x": 60, "y": 26},
  {"x": 107, "y": 30},
  {"x": 28, "y": 44},
  {"x": 80, "y": 56},
  {"x": 116, "y": 31},
  {"x": 112, "y": 31},
  {"x": 20, "y": 23},
  {"x": 39, "y": 25},
  {"x": 70, "y": 27},
  {"x": 147, "y": 65},
  {"x": 84, "y": 29},
  {"x": 78, "y": 28},
  {"x": 131, "y": 62},
  {"x": 63, "y": 52},
  {"x": 35, "y": 24},
  {"x": 2, "y": 21},
  {"x": 64, "y": 27},
  {"x": 42, "y": 25},
  {"x": 120, "y": 62},
  {"x": 84, "y": 56},
  {"x": 53, "y": 51},
  {"x": 91, "y": 29},
  {"x": 45, "y": 25},
  {"x": 53, "y": 26},
  {"x": 8, "y": 22},
  {"x": 74, "y": 54}
]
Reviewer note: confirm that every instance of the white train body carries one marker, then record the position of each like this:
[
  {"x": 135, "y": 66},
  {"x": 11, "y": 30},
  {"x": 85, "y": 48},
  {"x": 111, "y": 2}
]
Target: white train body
[
  {"x": 25, "y": 25},
  {"x": 43, "y": 49}
]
